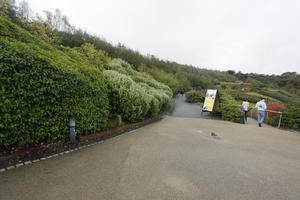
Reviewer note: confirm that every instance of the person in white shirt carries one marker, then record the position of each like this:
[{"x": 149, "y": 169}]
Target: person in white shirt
[
  {"x": 261, "y": 107},
  {"x": 245, "y": 109}
]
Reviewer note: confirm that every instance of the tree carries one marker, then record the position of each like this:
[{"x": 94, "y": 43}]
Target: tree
[
  {"x": 58, "y": 21},
  {"x": 24, "y": 11},
  {"x": 231, "y": 72},
  {"x": 8, "y": 8}
]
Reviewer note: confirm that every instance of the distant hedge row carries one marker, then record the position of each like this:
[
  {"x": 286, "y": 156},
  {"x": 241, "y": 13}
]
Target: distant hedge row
[
  {"x": 195, "y": 96},
  {"x": 43, "y": 86},
  {"x": 242, "y": 96}
]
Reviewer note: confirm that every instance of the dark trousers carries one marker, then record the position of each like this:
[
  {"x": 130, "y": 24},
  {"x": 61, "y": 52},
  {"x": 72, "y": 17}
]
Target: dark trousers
[{"x": 245, "y": 115}]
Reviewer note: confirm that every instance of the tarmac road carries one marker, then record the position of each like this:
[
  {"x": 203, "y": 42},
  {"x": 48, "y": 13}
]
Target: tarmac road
[
  {"x": 184, "y": 109},
  {"x": 170, "y": 159}
]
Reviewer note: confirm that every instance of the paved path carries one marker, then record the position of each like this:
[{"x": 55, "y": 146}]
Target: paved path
[
  {"x": 184, "y": 109},
  {"x": 188, "y": 110},
  {"x": 169, "y": 160}
]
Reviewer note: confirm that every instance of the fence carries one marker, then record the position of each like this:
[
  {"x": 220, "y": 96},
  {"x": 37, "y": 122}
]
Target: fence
[{"x": 253, "y": 114}]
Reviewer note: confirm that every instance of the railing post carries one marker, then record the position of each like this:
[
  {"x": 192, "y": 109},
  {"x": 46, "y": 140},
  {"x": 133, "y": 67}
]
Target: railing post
[{"x": 279, "y": 120}]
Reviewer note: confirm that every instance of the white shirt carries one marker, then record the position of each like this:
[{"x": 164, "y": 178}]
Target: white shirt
[
  {"x": 261, "y": 105},
  {"x": 245, "y": 105}
]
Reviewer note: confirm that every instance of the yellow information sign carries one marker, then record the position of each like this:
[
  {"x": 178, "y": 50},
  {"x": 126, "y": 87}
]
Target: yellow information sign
[{"x": 209, "y": 100}]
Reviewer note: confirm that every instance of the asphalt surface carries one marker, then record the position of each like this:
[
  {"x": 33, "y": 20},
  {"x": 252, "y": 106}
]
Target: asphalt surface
[
  {"x": 184, "y": 109},
  {"x": 170, "y": 159}
]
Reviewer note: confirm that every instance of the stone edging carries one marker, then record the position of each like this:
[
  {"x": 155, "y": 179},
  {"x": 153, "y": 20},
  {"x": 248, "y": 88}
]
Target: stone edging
[{"x": 92, "y": 143}]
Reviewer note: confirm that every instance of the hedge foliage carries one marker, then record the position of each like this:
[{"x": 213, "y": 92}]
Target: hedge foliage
[
  {"x": 290, "y": 118},
  {"x": 195, "y": 96},
  {"x": 135, "y": 95},
  {"x": 230, "y": 109},
  {"x": 42, "y": 87}
]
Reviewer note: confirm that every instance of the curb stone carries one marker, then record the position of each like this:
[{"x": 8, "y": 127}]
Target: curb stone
[
  {"x": 10, "y": 167},
  {"x": 65, "y": 152},
  {"x": 19, "y": 165},
  {"x": 27, "y": 162}
]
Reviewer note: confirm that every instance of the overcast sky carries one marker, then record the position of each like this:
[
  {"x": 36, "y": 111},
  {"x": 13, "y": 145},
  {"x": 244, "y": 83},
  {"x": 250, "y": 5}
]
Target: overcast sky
[{"x": 261, "y": 36}]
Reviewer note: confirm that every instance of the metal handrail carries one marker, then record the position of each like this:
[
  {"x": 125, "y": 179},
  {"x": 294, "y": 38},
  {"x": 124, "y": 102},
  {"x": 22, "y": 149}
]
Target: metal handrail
[{"x": 273, "y": 111}]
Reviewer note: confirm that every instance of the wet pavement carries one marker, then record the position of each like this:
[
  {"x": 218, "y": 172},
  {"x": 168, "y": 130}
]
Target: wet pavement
[
  {"x": 169, "y": 160},
  {"x": 188, "y": 110}
]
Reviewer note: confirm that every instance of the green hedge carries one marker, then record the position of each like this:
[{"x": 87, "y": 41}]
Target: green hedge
[
  {"x": 42, "y": 86},
  {"x": 290, "y": 118},
  {"x": 242, "y": 96},
  {"x": 194, "y": 96},
  {"x": 230, "y": 109},
  {"x": 125, "y": 68},
  {"x": 134, "y": 95}
]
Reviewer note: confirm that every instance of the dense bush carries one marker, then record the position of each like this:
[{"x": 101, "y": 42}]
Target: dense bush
[
  {"x": 42, "y": 87},
  {"x": 230, "y": 109},
  {"x": 290, "y": 118},
  {"x": 126, "y": 97},
  {"x": 194, "y": 96},
  {"x": 125, "y": 68},
  {"x": 134, "y": 95},
  {"x": 275, "y": 106}
]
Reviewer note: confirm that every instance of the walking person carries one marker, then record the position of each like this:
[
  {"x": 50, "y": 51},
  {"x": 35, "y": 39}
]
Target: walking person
[
  {"x": 261, "y": 107},
  {"x": 245, "y": 109}
]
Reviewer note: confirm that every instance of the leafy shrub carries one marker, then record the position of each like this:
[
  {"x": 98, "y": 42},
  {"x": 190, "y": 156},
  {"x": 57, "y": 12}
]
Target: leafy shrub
[
  {"x": 126, "y": 97},
  {"x": 194, "y": 96},
  {"x": 43, "y": 86},
  {"x": 123, "y": 67},
  {"x": 230, "y": 109},
  {"x": 276, "y": 106},
  {"x": 290, "y": 118},
  {"x": 134, "y": 95}
]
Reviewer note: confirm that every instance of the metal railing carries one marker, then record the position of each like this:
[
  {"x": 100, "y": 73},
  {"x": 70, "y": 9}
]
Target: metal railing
[{"x": 267, "y": 116}]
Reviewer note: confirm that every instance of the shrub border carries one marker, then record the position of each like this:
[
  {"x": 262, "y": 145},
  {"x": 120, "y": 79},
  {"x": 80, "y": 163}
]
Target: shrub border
[{"x": 90, "y": 140}]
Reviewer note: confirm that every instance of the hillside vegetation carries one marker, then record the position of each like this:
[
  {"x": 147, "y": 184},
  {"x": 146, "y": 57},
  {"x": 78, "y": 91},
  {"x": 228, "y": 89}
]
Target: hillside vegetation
[
  {"x": 51, "y": 71},
  {"x": 44, "y": 85}
]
